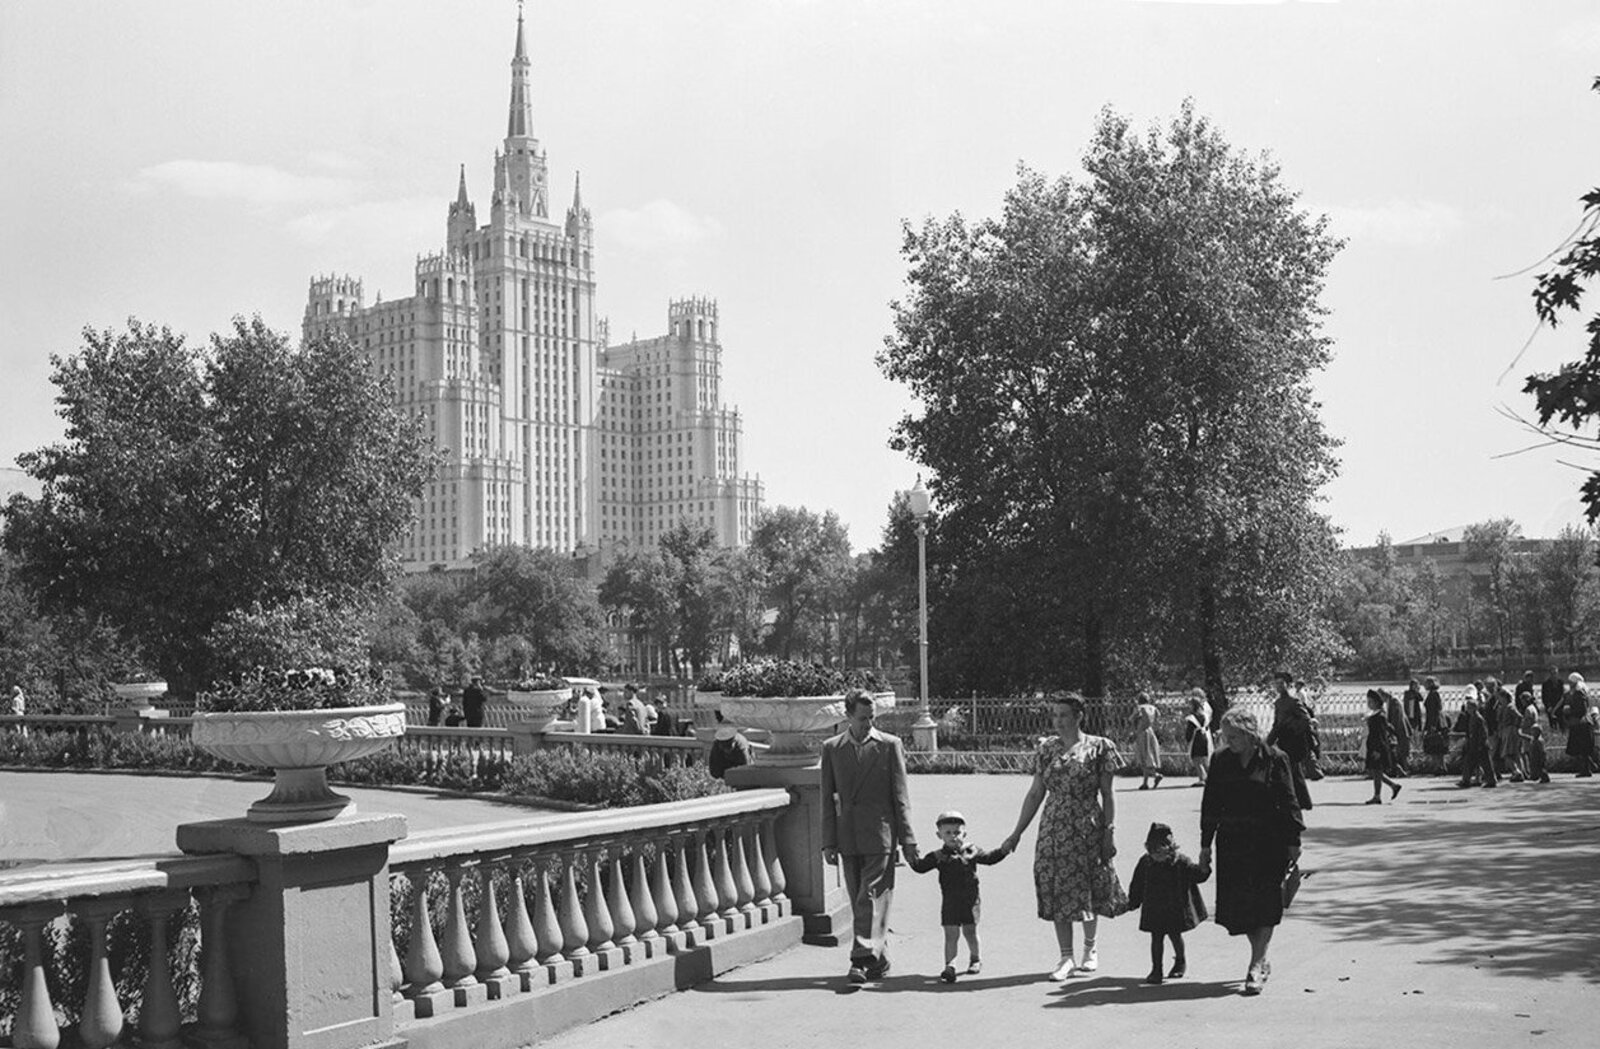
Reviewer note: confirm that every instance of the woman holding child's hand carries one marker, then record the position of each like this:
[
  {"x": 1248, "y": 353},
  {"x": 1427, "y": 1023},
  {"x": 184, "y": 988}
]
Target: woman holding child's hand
[{"x": 1072, "y": 873}]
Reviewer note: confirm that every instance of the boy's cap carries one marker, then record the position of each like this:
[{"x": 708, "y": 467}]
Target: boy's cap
[
  {"x": 1159, "y": 832},
  {"x": 950, "y": 816}
]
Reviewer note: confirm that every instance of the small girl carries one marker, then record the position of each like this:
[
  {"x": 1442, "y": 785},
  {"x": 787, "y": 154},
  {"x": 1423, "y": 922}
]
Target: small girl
[
  {"x": 1166, "y": 889},
  {"x": 957, "y": 863},
  {"x": 1380, "y": 748},
  {"x": 1533, "y": 749}
]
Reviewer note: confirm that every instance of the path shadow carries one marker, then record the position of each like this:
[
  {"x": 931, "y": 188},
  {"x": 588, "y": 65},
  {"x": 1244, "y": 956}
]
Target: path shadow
[
  {"x": 1502, "y": 882},
  {"x": 895, "y": 983},
  {"x": 1132, "y": 990}
]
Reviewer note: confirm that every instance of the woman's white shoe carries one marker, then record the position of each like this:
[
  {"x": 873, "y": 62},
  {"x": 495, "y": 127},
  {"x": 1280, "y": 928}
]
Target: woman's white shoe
[
  {"x": 1091, "y": 961},
  {"x": 1063, "y": 970}
]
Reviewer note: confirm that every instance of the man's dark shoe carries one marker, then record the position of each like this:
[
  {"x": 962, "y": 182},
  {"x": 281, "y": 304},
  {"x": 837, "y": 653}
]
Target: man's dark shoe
[
  {"x": 877, "y": 970},
  {"x": 856, "y": 974}
]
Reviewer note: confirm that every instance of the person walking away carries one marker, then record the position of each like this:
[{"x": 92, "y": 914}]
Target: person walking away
[
  {"x": 473, "y": 700},
  {"x": 1166, "y": 889},
  {"x": 957, "y": 863},
  {"x": 729, "y": 749},
  {"x": 866, "y": 770},
  {"x": 1251, "y": 812},
  {"x": 1476, "y": 760},
  {"x": 1551, "y": 694},
  {"x": 1578, "y": 715},
  {"x": 1508, "y": 737},
  {"x": 1146, "y": 747},
  {"x": 1412, "y": 702},
  {"x": 1073, "y": 877},
  {"x": 1432, "y": 707},
  {"x": 1293, "y": 733},
  {"x": 1380, "y": 748},
  {"x": 1402, "y": 732},
  {"x": 1197, "y": 732}
]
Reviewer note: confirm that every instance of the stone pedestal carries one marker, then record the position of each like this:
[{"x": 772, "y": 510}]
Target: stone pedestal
[
  {"x": 310, "y": 944},
  {"x": 815, "y": 888},
  {"x": 526, "y": 737},
  {"x": 925, "y": 736}
]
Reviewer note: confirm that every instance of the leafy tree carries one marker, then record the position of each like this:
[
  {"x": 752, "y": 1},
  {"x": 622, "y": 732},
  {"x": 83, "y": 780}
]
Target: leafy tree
[
  {"x": 194, "y": 483},
  {"x": 1488, "y": 543},
  {"x": 802, "y": 561},
  {"x": 1570, "y": 585},
  {"x": 1115, "y": 379},
  {"x": 638, "y": 587},
  {"x": 536, "y": 612},
  {"x": 1572, "y": 395}
]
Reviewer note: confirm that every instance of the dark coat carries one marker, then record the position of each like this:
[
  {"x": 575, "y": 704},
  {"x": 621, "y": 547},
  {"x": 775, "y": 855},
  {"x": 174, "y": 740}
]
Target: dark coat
[
  {"x": 958, "y": 880},
  {"x": 1167, "y": 894}
]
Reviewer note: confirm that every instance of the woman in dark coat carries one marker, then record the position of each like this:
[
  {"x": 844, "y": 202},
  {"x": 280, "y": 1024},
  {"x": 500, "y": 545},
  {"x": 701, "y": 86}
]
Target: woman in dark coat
[
  {"x": 1380, "y": 756},
  {"x": 1250, "y": 809},
  {"x": 1575, "y": 710}
]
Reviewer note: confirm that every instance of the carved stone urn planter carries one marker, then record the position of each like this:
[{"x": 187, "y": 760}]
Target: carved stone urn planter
[
  {"x": 541, "y": 708},
  {"x": 798, "y": 725},
  {"x": 299, "y": 745}
]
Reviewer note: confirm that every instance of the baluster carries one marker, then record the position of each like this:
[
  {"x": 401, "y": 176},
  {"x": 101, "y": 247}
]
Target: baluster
[
  {"x": 574, "y": 930},
  {"x": 769, "y": 845},
  {"x": 522, "y": 943},
  {"x": 705, "y": 885},
  {"x": 397, "y": 975},
  {"x": 661, "y": 891},
  {"x": 456, "y": 948},
  {"x": 159, "y": 1020},
  {"x": 101, "y": 1022},
  {"x": 597, "y": 914},
  {"x": 546, "y": 928},
  {"x": 722, "y": 874},
  {"x": 759, "y": 877},
  {"x": 490, "y": 942},
  {"x": 688, "y": 906},
  {"x": 34, "y": 1025},
  {"x": 622, "y": 916},
  {"x": 424, "y": 967},
  {"x": 217, "y": 1011},
  {"x": 744, "y": 886},
  {"x": 645, "y": 917}
]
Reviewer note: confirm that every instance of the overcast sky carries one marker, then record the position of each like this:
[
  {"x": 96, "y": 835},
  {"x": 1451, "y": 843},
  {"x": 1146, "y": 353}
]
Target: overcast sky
[{"x": 186, "y": 162}]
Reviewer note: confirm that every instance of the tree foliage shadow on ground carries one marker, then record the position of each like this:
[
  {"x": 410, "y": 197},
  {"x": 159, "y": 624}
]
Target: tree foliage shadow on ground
[{"x": 1514, "y": 895}]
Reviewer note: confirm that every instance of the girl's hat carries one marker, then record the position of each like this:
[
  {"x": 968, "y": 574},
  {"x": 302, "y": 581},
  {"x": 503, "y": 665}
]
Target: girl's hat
[
  {"x": 1159, "y": 832},
  {"x": 950, "y": 816}
]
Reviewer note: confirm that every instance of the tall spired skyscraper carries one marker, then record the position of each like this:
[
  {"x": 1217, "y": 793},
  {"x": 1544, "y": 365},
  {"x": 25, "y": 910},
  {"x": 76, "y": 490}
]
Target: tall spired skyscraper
[{"x": 553, "y": 437}]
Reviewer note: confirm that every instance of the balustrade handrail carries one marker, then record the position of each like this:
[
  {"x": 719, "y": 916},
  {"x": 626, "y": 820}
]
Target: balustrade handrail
[
  {"x": 580, "y": 828},
  {"x": 457, "y": 732},
  {"x": 620, "y": 739},
  {"x": 75, "y": 880}
]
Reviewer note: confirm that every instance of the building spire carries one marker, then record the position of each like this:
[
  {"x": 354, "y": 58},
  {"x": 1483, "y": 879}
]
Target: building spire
[
  {"x": 461, "y": 188},
  {"x": 520, "y": 122},
  {"x": 577, "y": 191}
]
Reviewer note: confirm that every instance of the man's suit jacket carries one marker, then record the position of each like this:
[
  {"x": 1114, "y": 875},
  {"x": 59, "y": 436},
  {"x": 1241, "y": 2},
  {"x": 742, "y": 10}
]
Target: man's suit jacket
[{"x": 873, "y": 812}]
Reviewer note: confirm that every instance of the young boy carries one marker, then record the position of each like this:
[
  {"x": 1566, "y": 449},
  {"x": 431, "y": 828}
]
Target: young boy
[{"x": 957, "y": 863}]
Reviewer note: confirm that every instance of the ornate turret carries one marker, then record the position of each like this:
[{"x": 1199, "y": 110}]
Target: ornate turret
[
  {"x": 463, "y": 218},
  {"x": 580, "y": 227}
]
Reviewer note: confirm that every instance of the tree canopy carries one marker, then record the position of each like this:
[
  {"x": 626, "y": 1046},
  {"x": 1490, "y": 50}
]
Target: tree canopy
[
  {"x": 195, "y": 484},
  {"x": 1116, "y": 409}
]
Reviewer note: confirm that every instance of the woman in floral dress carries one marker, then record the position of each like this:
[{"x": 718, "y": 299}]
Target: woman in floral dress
[{"x": 1072, "y": 872}]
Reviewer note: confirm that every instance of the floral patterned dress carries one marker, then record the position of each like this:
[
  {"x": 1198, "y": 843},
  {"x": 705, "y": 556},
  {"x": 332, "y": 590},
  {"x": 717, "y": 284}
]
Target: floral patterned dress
[{"x": 1070, "y": 879}]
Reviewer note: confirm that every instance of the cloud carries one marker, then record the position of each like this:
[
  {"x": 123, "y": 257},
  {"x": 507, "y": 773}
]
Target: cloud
[
  {"x": 1409, "y": 223},
  {"x": 251, "y": 183},
  {"x": 408, "y": 225},
  {"x": 659, "y": 226}
]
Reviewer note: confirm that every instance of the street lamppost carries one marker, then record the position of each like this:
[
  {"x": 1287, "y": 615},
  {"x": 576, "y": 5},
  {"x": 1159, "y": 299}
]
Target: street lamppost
[{"x": 924, "y": 733}]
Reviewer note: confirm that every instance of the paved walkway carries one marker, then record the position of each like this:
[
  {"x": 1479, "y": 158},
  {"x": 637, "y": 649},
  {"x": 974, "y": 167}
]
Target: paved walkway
[
  {"x": 92, "y": 815},
  {"x": 1451, "y": 915}
]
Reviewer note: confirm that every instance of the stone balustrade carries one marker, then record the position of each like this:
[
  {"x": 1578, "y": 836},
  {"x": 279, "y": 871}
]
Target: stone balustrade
[
  {"x": 159, "y": 893},
  {"x": 665, "y": 751},
  {"x": 530, "y": 906}
]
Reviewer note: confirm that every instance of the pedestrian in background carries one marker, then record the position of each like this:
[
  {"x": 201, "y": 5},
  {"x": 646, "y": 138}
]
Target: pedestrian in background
[
  {"x": 1197, "y": 731},
  {"x": 1402, "y": 732},
  {"x": 1551, "y": 694},
  {"x": 1380, "y": 747},
  {"x": 1577, "y": 714},
  {"x": 473, "y": 701},
  {"x": 1146, "y": 747}
]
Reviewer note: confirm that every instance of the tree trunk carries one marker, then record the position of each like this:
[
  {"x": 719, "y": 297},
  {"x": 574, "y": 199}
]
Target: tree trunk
[
  {"x": 1210, "y": 656},
  {"x": 1094, "y": 656}
]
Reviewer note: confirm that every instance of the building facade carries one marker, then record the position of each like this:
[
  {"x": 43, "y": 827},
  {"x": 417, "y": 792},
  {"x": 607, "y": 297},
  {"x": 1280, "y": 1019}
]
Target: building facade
[{"x": 553, "y": 437}]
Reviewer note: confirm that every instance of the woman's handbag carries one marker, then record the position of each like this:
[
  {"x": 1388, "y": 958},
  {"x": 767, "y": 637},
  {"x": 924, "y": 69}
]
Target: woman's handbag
[
  {"x": 1435, "y": 741},
  {"x": 1291, "y": 883}
]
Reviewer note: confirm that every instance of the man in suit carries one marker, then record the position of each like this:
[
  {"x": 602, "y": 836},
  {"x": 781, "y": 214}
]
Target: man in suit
[
  {"x": 866, "y": 769},
  {"x": 634, "y": 719},
  {"x": 473, "y": 699}
]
